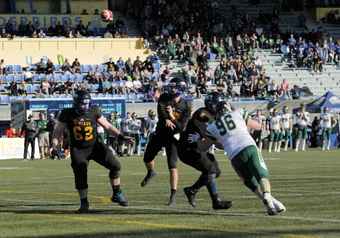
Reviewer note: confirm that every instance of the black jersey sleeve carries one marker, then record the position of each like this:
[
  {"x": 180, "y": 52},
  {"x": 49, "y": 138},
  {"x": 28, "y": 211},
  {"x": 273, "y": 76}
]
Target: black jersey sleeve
[
  {"x": 181, "y": 122},
  {"x": 64, "y": 115},
  {"x": 163, "y": 102},
  {"x": 202, "y": 116},
  {"x": 97, "y": 111}
]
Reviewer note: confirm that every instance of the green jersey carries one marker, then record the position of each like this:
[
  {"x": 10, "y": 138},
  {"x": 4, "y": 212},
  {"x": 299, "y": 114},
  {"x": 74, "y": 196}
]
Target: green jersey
[{"x": 42, "y": 124}]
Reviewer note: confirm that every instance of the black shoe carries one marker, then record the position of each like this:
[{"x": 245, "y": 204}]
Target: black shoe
[
  {"x": 218, "y": 204},
  {"x": 120, "y": 199},
  {"x": 172, "y": 200},
  {"x": 190, "y": 195},
  {"x": 147, "y": 178},
  {"x": 84, "y": 208}
]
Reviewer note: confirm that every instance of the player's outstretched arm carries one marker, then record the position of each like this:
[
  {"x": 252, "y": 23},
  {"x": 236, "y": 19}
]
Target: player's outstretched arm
[
  {"x": 253, "y": 125},
  {"x": 112, "y": 129}
]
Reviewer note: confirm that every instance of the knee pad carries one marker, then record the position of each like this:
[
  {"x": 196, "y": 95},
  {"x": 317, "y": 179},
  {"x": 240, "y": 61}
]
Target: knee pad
[
  {"x": 211, "y": 178},
  {"x": 114, "y": 174}
]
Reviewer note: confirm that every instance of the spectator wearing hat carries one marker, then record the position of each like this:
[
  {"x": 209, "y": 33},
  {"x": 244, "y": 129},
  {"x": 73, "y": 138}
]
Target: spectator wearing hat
[{"x": 30, "y": 129}]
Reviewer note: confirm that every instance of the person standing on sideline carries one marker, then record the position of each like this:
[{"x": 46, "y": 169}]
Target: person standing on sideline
[
  {"x": 257, "y": 134},
  {"x": 43, "y": 135},
  {"x": 30, "y": 128},
  {"x": 302, "y": 119},
  {"x": 328, "y": 121},
  {"x": 135, "y": 126},
  {"x": 50, "y": 127},
  {"x": 111, "y": 140},
  {"x": 287, "y": 123},
  {"x": 81, "y": 121},
  {"x": 174, "y": 112},
  {"x": 125, "y": 128}
]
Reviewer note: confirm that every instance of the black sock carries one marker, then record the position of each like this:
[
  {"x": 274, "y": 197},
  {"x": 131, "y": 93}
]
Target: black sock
[
  {"x": 84, "y": 200},
  {"x": 173, "y": 192},
  {"x": 116, "y": 189},
  {"x": 150, "y": 171},
  {"x": 199, "y": 183}
]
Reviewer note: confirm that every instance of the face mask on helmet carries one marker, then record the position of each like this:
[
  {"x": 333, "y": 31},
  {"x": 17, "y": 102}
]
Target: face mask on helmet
[
  {"x": 134, "y": 116},
  {"x": 176, "y": 87},
  {"x": 223, "y": 108},
  {"x": 82, "y": 101},
  {"x": 285, "y": 109},
  {"x": 152, "y": 114}
]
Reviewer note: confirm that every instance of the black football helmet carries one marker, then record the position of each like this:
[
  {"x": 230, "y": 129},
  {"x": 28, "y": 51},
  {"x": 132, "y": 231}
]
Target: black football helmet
[
  {"x": 212, "y": 99},
  {"x": 80, "y": 98},
  {"x": 222, "y": 108},
  {"x": 176, "y": 87}
]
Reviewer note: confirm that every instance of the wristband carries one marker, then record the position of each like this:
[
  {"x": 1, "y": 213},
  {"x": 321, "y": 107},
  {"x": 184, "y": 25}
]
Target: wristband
[
  {"x": 54, "y": 146},
  {"x": 121, "y": 137}
]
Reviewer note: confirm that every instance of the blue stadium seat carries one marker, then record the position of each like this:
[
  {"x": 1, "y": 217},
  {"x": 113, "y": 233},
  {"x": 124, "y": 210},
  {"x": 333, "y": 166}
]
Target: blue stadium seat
[
  {"x": 94, "y": 66},
  {"x": 57, "y": 67},
  {"x": 35, "y": 88},
  {"x": 10, "y": 67},
  {"x": 88, "y": 67},
  {"x": 156, "y": 75},
  {"x": 2, "y": 88},
  {"x": 28, "y": 88},
  {"x": 58, "y": 78},
  {"x": 102, "y": 66},
  {"x": 9, "y": 78},
  {"x": 101, "y": 30},
  {"x": 80, "y": 76},
  {"x": 18, "y": 77},
  {"x": 42, "y": 76},
  {"x": 17, "y": 68},
  {"x": 36, "y": 79},
  {"x": 95, "y": 87},
  {"x": 91, "y": 86},
  {"x": 3, "y": 77},
  {"x": 73, "y": 76},
  {"x": 65, "y": 77}
]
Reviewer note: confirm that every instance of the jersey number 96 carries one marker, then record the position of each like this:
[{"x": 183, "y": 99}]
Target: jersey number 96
[{"x": 225, "y": 123}]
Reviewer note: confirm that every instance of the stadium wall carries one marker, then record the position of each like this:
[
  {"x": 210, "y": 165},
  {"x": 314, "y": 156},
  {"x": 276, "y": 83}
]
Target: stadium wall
[{"x": 26, "y": 51}]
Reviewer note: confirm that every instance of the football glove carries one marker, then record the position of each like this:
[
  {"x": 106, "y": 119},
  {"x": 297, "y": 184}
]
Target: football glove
[
  {"x": 283, "y": 133},
  {"x": 193, "y": 138}
]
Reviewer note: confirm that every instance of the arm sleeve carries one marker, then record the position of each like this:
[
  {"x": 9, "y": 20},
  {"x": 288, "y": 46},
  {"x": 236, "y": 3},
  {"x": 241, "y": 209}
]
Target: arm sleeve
[
  {"x": 63, "y": 116},
  {"x": 180, "y": 124},
  {"x": 161, "y": 108}
]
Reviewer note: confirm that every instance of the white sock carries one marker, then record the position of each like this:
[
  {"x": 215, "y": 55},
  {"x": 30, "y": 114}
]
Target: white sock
[
  {"x": 297, "y": 144},
  {"x": 303, "y": 144}
]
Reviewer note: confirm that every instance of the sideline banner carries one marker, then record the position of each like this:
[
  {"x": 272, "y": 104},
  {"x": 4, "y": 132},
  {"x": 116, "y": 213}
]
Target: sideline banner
[
  {"x": 13, "y": 148},
  {"x": 51, "y": 20}
]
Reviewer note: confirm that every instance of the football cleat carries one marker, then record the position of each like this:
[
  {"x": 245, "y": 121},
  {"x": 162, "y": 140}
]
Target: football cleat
[
  {"x": 190, "y": 195},
  {"x": 279, "y": 206},
  {"x": 172, "y": 200},
  {"x": 147, "y": 178},
  {"x": 268, "y": 201},
  {"x": 84, "y": 208},
  {"x": 120, "y": 199},
  {"x": 219, "y": 204}
]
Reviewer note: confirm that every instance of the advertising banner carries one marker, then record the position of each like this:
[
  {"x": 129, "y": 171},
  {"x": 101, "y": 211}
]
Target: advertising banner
[{"x": 13, "y": 148}]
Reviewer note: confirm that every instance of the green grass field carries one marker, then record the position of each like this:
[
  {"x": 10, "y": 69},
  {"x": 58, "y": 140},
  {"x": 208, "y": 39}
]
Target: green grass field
[{"x": 38, "y": 199}]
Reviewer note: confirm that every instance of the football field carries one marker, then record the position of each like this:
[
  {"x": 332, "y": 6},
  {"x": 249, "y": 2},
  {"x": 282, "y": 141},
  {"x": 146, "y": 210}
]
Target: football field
[{"x": 38, "y": 199}]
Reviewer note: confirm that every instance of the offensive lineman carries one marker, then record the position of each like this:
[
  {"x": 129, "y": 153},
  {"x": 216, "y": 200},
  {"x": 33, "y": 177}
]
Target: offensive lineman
[
  {"x": 174, "y": 113},
  {"x": 287, "y": 123},
  {"x": 81, "y": 121},
  {"x": 302, "y": 119},
  {"x": 275, "y": 130},
  {"x": 328, "y": 121},
  {"x": 257, "y": 134},
  {"x": 135, "y": 125},
  {"x": 230, "y": 129},
  {"x": 190, "y": 154}
]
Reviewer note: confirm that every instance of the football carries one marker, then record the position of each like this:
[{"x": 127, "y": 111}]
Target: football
[{"x": 106, "y": 16}]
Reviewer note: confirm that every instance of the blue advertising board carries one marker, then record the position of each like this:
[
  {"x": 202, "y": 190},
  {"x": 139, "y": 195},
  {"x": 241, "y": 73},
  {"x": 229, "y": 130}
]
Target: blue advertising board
[{"x": 58, "y": 104}]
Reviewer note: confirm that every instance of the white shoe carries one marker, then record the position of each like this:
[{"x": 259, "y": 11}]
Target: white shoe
[
  {"x": 296, "y": 150},
  {"x": 269, "y": 151},
  {"x": 328, "y": 148},
  {"x": 279, "y": 206},
  {"x": 268, "y": 201},
  {"x": 323, "y": 148},
  {"x": 285, "y": 149},
  {"x": 303, "y": 150},
  {"x": 164, "y": 154}
]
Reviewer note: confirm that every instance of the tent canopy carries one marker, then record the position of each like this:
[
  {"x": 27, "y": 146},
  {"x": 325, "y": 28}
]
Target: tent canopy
[{"x": 329, "y": 100}]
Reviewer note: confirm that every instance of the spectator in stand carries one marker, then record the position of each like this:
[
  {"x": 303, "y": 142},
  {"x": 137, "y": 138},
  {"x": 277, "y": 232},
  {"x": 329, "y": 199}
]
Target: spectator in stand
[
  {"x": 76, "y": 84},
  {"x": 69, "y": 87},
  {"x": 66, "y": 67},
  {"x": 128, "y": 86},
  {"x": 117, "y": 35},
  {"x": 285, "y": 88},
  {"x": 120, "y": 63},
  {"x": 96, "y": 12},
  {"x": 106, "y": 86},
  {"x": 76, "y": 66},
  {"x": 59, "y": 29},
  {"x": 137, "y": 85},
  {"x": 70, "y": 34},
  {"x": 14, "y": 133},
  {"x": 272, "y": 87},
  {"x": 4, "y": 34},
  {"x": 200, "y": 87},
  {"x": 119, "y": 24},
  {"x": 154, "y": 58},
  {"x": 138, "y": 63},
  {"x": 45, "y": 86},
  {"x": 105, "y": 74},
  {"x": 135, "y": 73},
  {"x": 111, "y": 64},
  {"x": 84, "y": 12},
  {"x": 28, "y": 76},
  {"x": 78, "y": 35},
  {"x": 9, "y": 131},
  {"x": 22, "y": 28},
  {"x": 146, "y": 44},
  {"x": 41, "y": 34},
  {"x": 2, "y": 67},
  {"x": 220, "y": 86},
  {"x": 22, "y": 88},
  {"x": 67, "y": 28},
  {"x": 84, "y": 85},
  {"x": 13, "y": 87},
  {"x": 34, "y": 35},
  {"x": 120, "y": 73},
  {"x": 147, "y": 64},
  {"x": 98, "y": 75},
  {"x": 49, "y": 67},
  {"x": 279, "y": 94},
  {"x": 108, "y": 34},
  {"x": 81, "y": 28},
  {"x": 129, "y": 66},
  {"x": 90, "y": 77},
  {"x": 53, "y": 86},
  {"x": 145, "y": 74},
  {"x": 89, "y": 29},
  {"x": 245, "y": 89}
]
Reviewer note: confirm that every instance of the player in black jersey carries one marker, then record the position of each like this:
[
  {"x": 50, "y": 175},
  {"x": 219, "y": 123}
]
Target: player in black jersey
[
  {"x": 81, "y": 121},
  {"x": 190, "y": 154},
  {"x": 173, "y": 114}
]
